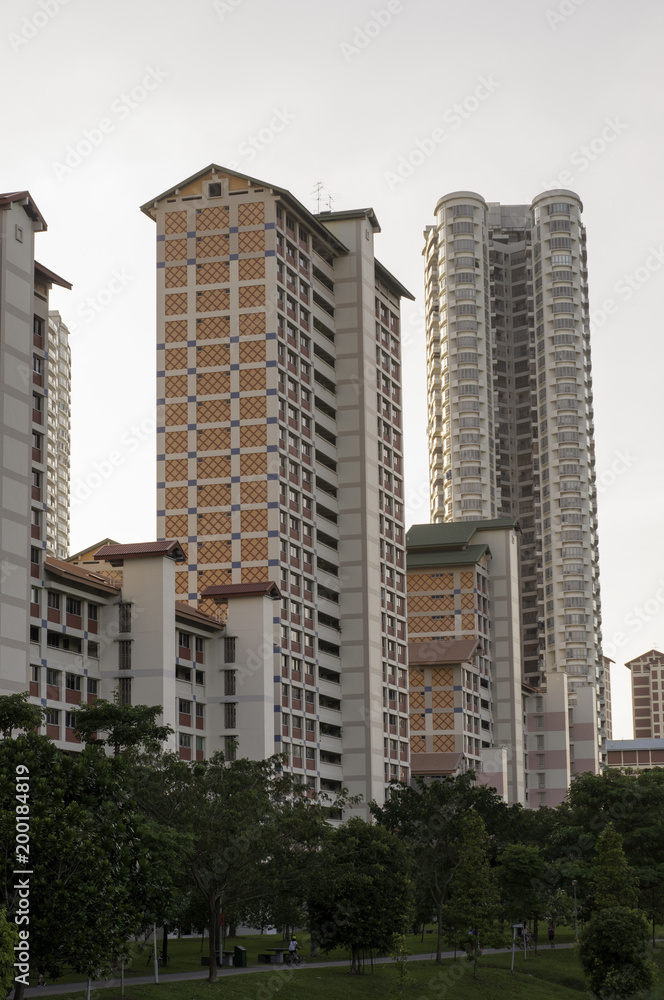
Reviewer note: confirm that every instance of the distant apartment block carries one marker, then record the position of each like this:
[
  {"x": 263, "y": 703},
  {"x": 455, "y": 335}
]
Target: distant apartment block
[
  {"x": 280, "y": 460},
  {"x": 511, "y": 427},
  {"x": 635, "y": 755},
  {"x": 464, "y": 649},
  {"x": 24, "y": 373},
  {"x": 647, "y": 693},
  {"x": 106, "y": 624}
]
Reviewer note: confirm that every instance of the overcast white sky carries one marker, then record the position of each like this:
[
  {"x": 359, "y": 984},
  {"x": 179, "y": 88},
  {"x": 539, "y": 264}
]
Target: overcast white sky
[{"x": 525, "y": 95}]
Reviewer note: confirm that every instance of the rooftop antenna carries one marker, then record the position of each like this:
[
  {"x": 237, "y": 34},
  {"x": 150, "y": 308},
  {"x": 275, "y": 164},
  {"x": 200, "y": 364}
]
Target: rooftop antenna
[{"x": 318, "y": 191}]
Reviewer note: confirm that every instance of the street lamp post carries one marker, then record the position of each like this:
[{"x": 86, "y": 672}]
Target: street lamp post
[{"x": 576, "y": 925}]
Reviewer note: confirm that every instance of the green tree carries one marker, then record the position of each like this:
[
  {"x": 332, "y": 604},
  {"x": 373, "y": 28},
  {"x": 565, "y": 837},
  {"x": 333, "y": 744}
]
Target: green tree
[
  {"x": 229, "y": 816},
  {"x": 475, "y": 898},
  {"x": 612, "y": 881},
  {"x": 17, "y": 713},
  {"x": 428, "y": 816},
  {"x": 8, "y": 939},
  {"x": 521, "y": 873},
  {"x": 126, "y": 727},
  {"x": 299, "y": 829},
  {"x": 362, "y": 897},
  {"x": 90, "y": 871},
  {"x": 614, "y": 953}
]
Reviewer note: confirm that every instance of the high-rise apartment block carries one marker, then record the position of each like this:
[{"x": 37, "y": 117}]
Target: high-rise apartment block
[
  {"x": 280, "y": 460},
  {"x": 58, "y": 434},
  {"x": 24, "y": 372},
  {"x": 648, "y": 694},
  {"x": 464, "y": 652},
  {"x": 511, "y": 425}
]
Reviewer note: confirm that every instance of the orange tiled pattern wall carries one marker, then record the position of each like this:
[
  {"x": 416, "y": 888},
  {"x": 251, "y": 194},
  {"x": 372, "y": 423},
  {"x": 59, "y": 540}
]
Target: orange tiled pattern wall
[
  {"x": 215, "y": 377},
  {"x": 433, "y": 731}
]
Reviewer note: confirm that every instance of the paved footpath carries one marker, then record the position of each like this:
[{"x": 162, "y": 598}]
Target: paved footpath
[{"x": 278, "y": 970}]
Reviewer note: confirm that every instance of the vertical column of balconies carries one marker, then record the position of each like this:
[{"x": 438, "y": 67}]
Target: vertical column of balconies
[
  {"x": 523, "y": 403},
  {"x": 569, "y": 540},
  {"x": 391, "y": 532},
  {"x": 465, "y": 434},
  {"x": 434, "y": 274},
  {"x": 310, "y": 665},
  {"x": 58, "y": 436}
]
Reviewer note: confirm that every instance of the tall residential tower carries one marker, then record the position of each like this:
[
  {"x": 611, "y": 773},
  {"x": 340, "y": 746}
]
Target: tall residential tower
[
  {"x": 511, "y": 433},
  {"x": 280, "y": 460}
]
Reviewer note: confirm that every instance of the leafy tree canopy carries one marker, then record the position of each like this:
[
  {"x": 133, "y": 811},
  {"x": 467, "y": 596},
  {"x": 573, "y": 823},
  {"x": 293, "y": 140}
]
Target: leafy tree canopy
[
  {"x": 613, "y": 883},
  {"x": 91, "y": 872},
  {"x": 126, "y": 727},
  {"x": 614, "y": 953},
  {"x": 17, "y": 713},
  {"x": 362, "y": 896}
]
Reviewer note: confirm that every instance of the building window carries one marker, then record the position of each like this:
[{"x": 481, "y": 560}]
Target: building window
[
  {"x": 230, "y": 747},
  {"x": 230, "y": 715},
  {"x": 73, "y": 606},
  {"x": 52, "y": 717},
  {"x": 124, "y": 654},
  {"x": 93, "y": 649},
  {"x": 184, "y": 707},
  {"x": 93, "y": 611},
  {"x": 200, "y": 710},
  {"x": 185, "y": 741},
  {"x": 73, "y": 682},
  {"x": 229, "y": 682},
  {"x": 124, "y": 617},
  {"x": 52, "y": 677},
  {"x": 124, "y": 691},
  {"x": 184, "y": 640},
  {"x": 35, "y": 634},
  {"x": 229, "y": 649},
  {"x": 93, "y": 685},
  {"x": 200, "y": 744}
]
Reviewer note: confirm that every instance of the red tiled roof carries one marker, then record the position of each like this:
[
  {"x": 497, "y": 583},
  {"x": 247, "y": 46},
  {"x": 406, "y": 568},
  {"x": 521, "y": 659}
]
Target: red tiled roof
[
  {"x": 441, "y": 651},
  {"x": 116, "y": 554},
  {"x": 434, "y": 763},
  {"x": 183, "y": 610},
  {"x": 91, "y": 549},
  {"x": 13, "y": 196},
  {"x": 265, "y": 588},
  {"x": 80, "y": 575}
]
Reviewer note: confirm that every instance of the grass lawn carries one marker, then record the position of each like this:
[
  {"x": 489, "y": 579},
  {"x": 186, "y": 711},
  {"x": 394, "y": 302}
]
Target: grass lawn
[
  {"x": 552, "y": 974},
  {"x": 185, "y": 954},
  {"x": 549, "y": 974},
  {"x": 452, "y": 980}
]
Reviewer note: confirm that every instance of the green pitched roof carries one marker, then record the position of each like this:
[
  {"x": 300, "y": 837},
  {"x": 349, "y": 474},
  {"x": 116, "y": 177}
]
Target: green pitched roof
[
  {"x": 452, "y": 534},
  {"x": 468, "y": 555}
]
